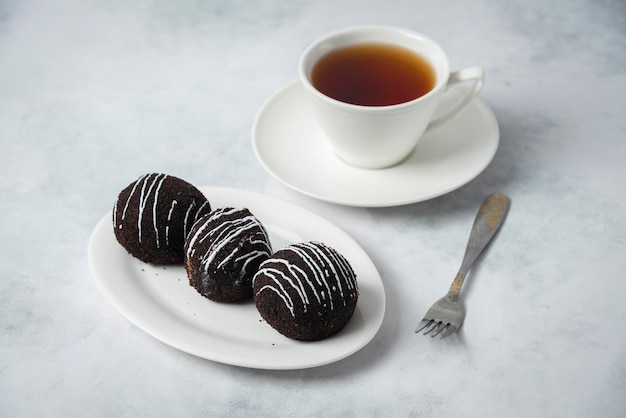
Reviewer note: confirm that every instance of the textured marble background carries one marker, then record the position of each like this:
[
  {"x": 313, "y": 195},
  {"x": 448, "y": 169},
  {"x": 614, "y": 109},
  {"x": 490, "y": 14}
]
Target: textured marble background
[{"x": 93, "y": 93}]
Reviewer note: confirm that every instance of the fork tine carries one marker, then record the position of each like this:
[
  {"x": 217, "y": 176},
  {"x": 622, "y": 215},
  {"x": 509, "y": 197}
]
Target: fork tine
[
  {"x": 441, "y": 328},
  {"x": 426, "y": 323},
  {"x": 435, "y": 326},
  {"x": 450, "y": 331}
]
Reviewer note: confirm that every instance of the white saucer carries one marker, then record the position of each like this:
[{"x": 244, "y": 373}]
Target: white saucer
[{"x": 291, "y": 146}]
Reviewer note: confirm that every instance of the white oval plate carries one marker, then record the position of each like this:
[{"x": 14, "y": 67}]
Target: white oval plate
[
  {"x": 159, "y": 299},
  {"x": 291, "y": 147}
]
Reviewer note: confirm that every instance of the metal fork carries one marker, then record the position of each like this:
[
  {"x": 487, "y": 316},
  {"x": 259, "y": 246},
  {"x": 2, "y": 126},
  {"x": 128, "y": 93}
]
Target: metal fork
[{"x": 447, "y": 314}]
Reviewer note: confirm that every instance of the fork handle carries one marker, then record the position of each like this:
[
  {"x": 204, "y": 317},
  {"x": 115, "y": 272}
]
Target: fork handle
[{"x": 488, "y": 220}]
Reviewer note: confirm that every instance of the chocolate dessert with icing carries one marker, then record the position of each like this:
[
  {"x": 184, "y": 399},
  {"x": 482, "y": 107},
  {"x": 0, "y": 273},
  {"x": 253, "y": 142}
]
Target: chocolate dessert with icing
[
  {"x": 223, "y": 252},
  {"x": 306, "y": 291},
  {"x": 153, "y": 215}
]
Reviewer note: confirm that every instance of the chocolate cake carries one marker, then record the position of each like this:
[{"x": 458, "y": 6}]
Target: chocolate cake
[
  {"x": 223, "y": 252},
  {"x": 153, "y": 215},
  {"x": 306, "y": 291}
]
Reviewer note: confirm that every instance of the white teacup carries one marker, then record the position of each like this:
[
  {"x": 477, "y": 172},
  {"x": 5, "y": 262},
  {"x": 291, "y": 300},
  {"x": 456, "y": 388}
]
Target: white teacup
[{"x": 379, "y": 136}]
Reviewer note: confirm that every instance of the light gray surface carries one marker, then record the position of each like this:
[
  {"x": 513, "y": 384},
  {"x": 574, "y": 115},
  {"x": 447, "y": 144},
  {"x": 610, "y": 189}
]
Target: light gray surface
[{"x": 94, "y": 93}]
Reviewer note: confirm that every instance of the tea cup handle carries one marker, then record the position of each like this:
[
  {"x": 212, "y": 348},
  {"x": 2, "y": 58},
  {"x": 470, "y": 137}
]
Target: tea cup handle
[{"x": 476, "y": 74}]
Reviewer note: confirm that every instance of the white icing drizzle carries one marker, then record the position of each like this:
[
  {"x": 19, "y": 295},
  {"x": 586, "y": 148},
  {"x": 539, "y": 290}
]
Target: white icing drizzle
[
  {"x": 317, "y": 282},
  {"x": 115, "y": 212},
  {"x": 277, "y": 276},
  {"x": 251, "y": 256},
  {"x": 282, "y": 294},
  {"x": 185, "y": 219},
  {"x": 154, "y": 211},
  {"x": 143, "y": 200},
  {"x": 148, "y": 187},
  {"x": 195, "y": 217},
  {"x": 320, "y": 275},
  {"x": 239, "y": 228},
  {"x": 132, "y": 192},
  {"x": 221, "y": 233},
  {"x": 169, "y": 219}
]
